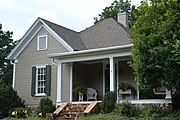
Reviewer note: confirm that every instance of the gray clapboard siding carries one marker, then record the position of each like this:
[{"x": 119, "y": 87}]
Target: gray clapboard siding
[
  {"x": 66, "y": 82},
  {"x": 31, "y": 57}
]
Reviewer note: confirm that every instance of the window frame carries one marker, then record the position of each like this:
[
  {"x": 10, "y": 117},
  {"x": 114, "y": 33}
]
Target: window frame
[
  {"x": 38, "y": 42},
  {"x": 36, "y": 82}
]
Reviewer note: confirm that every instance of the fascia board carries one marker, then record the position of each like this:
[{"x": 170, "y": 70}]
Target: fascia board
[
  {"x": 89, "y": 51},
  {"x": 15, "y": 52},
  {"x": 65, "y": 44}
]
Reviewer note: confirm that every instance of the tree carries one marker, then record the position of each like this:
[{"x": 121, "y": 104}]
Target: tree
[
  {"x": 8, "y": 100},
  {"x": 6, "y": 45},
  {"x": 114, "y": 9},
  {"x": 156, "y": 44}
]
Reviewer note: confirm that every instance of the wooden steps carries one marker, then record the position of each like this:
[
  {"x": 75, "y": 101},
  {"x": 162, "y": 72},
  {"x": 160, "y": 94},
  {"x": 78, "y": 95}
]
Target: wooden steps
[
  {"x": 73, "y": 109},
  {"x": 90, "y": 107}
]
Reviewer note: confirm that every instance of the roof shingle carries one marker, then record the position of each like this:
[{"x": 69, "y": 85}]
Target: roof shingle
[{"x": 107, "y": 33}]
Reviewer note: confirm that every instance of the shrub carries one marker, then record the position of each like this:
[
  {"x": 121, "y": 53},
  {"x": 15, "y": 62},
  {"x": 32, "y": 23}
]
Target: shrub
[
  {"x": 151, "y": 111},
  {"x": 46, "y": 106},
  {"x": 19, "y": 112},
  {"x": 127, "y": 109},
  {"x": 108, "y": 102},
  {"x": 9, "y": 100}
]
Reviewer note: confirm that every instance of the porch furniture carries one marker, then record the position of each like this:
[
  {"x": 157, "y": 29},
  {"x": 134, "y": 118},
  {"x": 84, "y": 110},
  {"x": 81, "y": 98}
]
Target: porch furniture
[
  {"x": 126, "y": 92},
  {"x": 91, "y": 94},
  {"x": 80, "y": 97},
  {"x": 164, "y": 91}
]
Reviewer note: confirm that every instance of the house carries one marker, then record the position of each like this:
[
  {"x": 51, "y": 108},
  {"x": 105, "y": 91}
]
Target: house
[{"x": 50, "y": 60}]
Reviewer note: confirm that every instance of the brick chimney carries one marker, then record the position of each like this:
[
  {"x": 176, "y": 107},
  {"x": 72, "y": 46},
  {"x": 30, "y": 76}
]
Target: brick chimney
[{"x": 123, "y": 18}]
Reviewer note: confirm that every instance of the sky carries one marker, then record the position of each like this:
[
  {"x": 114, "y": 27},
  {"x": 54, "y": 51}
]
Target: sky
[{"x": 18, "y": 15}]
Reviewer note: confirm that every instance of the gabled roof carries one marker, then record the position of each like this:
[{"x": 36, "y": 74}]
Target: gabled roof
[
  {"x": 106, "y": 33},
  {"x": 71, "y": 37}
]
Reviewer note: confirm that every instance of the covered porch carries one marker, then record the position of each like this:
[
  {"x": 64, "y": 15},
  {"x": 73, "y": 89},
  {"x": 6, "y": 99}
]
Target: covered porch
[
  {"x": 96, "y": 74},
  {"x": 102, "y": 69}
]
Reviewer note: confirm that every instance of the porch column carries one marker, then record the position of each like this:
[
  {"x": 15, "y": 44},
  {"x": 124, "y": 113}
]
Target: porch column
[
  {"x": 71, "y": 81},
  {"x": 112, "y": 74},
  {"x": 59, "y": 82},
  {"x": 117, "y": 80}
]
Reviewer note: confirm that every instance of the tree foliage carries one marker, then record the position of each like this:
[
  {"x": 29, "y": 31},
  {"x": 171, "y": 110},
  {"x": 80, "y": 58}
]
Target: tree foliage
[
  {"x": 8, "y": 100},
  {"x": 6, "y": 45},
  {"x": 116, "y": 7},
  {"x": 156, "y": 44}
]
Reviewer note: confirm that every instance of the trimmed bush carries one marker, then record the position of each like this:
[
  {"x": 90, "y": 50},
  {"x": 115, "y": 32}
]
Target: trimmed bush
[
  {"x": 8, "y": 100},
  {"x": 45, "y": 106},
  {"x": 108, "y": 102}
]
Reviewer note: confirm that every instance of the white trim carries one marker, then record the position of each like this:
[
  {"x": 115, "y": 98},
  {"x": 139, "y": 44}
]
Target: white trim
[
  {"x": 112, "y": 74},
  {"x": 38, "y": 37},
  {"x": 36, "y": 25},
  {"x": 20, "y": 42},
  {"x": 36, "y": 87},
  {"x": 117, "y": 79},
  {"x": 148, "y": 101},
  {"x": 40, "y": 95},
  {"x": 65, "y": 44},
  {"x": 104, "y": 67},
  {"x": 71, "y": 81},
  {"x": 59, "y": 83},
  {"x": 28, "y": 41},
  {"x": 89, "y": 51},
  {"x": 95, "y": 57},
  {"x": 137, "y": 85}
]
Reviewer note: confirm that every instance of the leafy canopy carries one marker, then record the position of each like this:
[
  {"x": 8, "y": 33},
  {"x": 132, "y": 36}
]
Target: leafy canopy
[
  {"x": 116, "y": 7},
  {"x": 6, "y": 44},
  {"x": 156, "y": 44}
]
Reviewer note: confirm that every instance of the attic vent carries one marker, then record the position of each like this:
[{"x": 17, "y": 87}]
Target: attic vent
[{"x": 42, "y": 42}]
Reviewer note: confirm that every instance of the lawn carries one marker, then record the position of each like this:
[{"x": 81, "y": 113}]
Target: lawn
[{"x": 115, "y": 116}]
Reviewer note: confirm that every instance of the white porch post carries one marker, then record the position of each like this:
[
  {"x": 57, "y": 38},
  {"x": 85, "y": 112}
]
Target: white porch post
[
  {"x": 59, "y": 82},
  {"x": 112, "y": 74},
  {"x": 71, "y": 81},
  {"x": 117, "y": 79},
  {"x": 137, "y": 90}
]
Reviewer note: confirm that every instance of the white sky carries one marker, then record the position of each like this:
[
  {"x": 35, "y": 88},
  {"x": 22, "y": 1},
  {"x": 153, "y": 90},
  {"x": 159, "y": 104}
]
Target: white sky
[{"x": 19, "y": 15}]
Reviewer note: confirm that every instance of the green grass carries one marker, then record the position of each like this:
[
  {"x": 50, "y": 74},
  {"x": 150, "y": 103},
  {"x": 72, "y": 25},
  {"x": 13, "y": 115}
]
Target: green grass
[
  {"x": 28, "y": 118},
  {"x": 114, "y": 116},
  {"x": 110, "y": 116}
]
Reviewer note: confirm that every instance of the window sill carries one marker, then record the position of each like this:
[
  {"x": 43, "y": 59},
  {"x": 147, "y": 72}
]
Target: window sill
[{"x": 40, "y": 95}]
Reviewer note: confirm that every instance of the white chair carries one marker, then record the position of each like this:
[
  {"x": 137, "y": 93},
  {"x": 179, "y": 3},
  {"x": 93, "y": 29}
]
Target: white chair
[{"x": 91, "y": 94}]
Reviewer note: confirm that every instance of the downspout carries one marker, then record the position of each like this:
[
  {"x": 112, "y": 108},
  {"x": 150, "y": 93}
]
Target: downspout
[{"x": 13, "y": 62}]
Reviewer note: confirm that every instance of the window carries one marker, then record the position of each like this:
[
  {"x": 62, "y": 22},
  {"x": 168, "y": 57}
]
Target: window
[
  {"x": 42, "y": 42},
  {"x": 41, "y": 76},
  {"x": 40, "y": 80}
]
